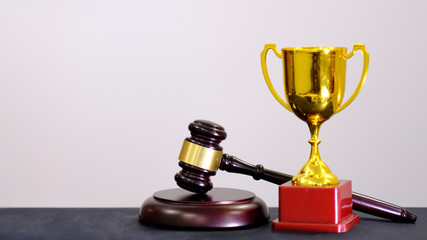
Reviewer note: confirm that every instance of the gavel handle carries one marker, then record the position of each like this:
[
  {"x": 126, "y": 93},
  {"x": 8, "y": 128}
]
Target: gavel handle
[{"x": 361, "y": 202}]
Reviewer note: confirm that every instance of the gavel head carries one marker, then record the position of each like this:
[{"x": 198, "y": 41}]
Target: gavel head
[{"x": 200, "y": 156}]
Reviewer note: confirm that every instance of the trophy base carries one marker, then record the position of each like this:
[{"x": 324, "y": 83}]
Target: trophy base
[
  {"x": 320, "y": 209},
  {"x": 220, "y": 208},
  {"x": 342, "y": 227}
]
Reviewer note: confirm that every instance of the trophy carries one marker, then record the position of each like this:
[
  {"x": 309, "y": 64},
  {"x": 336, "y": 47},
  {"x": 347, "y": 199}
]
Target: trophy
[{"x": 314, "y": 82}]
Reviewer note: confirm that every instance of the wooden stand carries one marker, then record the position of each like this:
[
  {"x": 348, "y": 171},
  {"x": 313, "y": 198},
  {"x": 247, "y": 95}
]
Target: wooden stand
[
  {"x": 221, "y": 208},
  {"x": 321, "y": 209}
]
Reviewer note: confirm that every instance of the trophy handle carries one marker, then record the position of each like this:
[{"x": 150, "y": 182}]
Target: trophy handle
[
  {"x": 365, "y": 54},
  {"x": 267, "y": 47}
]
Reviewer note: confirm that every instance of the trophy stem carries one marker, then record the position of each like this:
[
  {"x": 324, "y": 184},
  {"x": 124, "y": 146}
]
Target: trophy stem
[{"x": 315, "y": 172}]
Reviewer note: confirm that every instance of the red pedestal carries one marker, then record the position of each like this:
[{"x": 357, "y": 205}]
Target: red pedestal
[{"x": 320, "y": 209}]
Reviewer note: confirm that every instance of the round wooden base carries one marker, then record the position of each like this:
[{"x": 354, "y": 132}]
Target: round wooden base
[{"x": 220, "y": 208}]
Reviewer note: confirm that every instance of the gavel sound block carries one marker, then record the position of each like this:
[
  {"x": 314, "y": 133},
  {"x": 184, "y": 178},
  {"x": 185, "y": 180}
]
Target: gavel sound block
[
  {"x": 200, "y": 158},
  {"x": 202, "y": 207}
]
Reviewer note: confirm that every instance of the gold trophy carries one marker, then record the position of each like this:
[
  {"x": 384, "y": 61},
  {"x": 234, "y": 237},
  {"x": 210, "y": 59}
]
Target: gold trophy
[{"x": 314, "y": 83}]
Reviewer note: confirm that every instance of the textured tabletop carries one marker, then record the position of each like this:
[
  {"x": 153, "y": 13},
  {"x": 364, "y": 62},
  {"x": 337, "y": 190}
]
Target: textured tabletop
[{"x": 122, "y": 223}]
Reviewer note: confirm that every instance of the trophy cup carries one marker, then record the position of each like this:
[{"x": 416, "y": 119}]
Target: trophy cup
[{"x": 314, "y": 81}]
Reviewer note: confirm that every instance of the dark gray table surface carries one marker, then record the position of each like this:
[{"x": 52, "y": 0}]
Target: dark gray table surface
[{"x": 122, "y": 223}]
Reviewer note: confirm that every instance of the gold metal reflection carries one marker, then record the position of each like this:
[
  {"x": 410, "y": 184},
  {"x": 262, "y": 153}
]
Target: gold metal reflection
[
  {"x": 314, "y": 82},
  {"x": 200, "y": 156}
]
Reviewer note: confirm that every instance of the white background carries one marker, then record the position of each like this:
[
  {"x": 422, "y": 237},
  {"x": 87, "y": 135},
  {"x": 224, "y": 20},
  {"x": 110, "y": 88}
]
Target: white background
[{"x": 96, "y": 96}]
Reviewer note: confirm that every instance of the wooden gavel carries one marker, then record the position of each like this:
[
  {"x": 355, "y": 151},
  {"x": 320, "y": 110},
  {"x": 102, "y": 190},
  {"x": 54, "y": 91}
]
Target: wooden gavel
[{"x": 201, "y": 156}]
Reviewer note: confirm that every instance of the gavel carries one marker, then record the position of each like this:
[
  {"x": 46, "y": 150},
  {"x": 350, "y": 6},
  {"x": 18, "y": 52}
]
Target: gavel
[{"x": 201, "y": 156}]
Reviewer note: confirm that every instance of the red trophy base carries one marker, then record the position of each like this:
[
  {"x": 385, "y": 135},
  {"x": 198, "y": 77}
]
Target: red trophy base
[
  {"x": 319, "y": 209},
  {"x": 220, "y": 208}
]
